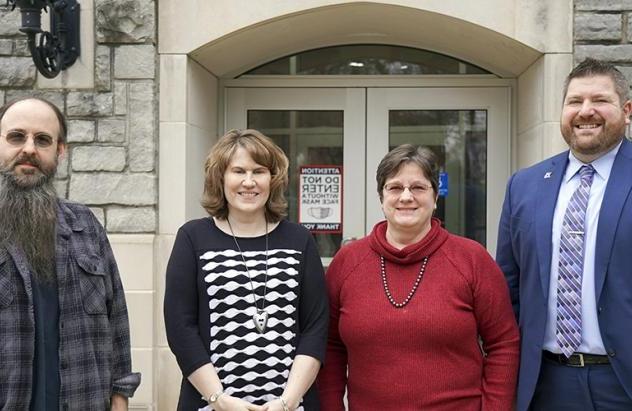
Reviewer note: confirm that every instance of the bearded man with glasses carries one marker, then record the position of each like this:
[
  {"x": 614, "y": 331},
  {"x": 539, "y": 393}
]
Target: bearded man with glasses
[{"x": 64, "y": 328}]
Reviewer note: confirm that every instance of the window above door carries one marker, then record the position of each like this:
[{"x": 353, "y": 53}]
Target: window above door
[{"x": 367, "y": 59}]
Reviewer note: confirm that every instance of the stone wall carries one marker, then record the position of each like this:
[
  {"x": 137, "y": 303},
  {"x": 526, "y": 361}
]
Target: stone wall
[
  {"x": 111, "y": 159},
  {"x": 603, "y": 30}
]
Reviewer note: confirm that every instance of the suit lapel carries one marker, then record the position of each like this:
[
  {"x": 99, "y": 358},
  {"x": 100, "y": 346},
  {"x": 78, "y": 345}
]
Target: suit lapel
[
  {"x": 617, "y": 190},
  {"x": 548, "y": 189}
]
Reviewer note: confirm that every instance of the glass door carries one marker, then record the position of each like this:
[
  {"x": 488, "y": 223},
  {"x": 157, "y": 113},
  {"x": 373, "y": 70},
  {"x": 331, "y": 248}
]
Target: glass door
[
  {"x": 468, "y": 129},
  {"x": 335, "y": 138},
  {"x": 322, "y": 132}
]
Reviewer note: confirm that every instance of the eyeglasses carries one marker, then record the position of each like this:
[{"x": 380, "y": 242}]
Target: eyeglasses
[
  {"x": 18, "y": 139},
  {"x": 396, "y": 190}
]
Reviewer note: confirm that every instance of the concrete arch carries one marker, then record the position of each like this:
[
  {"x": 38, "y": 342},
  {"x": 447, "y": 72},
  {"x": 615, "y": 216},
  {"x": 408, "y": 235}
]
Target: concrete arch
[
  {"x": 203, "y": 42},
  {"x": 363, "y": 23}
]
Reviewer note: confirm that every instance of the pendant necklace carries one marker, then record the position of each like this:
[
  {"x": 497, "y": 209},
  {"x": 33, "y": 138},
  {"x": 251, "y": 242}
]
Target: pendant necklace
[
  {"x": 411, "y": 293},
  {"x": 260, "y": 318}
]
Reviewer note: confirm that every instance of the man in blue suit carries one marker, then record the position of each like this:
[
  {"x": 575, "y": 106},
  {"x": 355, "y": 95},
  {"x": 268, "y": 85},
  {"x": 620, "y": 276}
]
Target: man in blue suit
[{"x": 565, "y": 246}]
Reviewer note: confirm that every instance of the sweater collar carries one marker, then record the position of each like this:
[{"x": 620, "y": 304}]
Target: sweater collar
[{"x": 412, "y": 253}]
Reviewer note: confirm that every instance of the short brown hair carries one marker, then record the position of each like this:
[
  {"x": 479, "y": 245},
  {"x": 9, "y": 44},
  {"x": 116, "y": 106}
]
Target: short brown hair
[
  {"x": 63, "y": 128},
  {"x": 592, "y": 67},
  {"x": 404, "y": 154},
  {"x": 263, "y": 151}
]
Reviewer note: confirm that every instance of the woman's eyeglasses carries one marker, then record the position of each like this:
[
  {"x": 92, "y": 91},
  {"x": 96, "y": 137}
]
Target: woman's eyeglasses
[{"x": 398, "y": 189}]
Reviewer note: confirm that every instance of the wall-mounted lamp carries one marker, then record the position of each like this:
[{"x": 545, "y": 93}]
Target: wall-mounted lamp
[{"x": 55, "y": 50}]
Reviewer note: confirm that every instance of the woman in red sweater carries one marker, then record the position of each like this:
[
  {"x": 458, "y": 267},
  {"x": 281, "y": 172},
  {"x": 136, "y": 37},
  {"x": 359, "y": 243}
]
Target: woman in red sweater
[{"x": 420, "y": 319}]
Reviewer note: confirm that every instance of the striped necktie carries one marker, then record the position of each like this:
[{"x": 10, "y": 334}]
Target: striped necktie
[{"x": 571, "y": 266}]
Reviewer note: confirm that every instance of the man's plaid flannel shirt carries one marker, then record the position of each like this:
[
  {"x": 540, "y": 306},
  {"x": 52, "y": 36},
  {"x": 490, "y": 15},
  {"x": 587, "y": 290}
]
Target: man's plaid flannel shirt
[{"x": 94, "y": 342}]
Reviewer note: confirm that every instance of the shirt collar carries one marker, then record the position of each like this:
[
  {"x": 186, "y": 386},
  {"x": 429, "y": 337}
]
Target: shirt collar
[
  {"x": 602, "y": 165},
  {"x": 67, "y": 220}
]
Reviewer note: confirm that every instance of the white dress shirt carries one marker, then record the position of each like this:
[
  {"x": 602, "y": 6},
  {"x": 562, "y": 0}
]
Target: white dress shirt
[{"x": 591, "y": 336}]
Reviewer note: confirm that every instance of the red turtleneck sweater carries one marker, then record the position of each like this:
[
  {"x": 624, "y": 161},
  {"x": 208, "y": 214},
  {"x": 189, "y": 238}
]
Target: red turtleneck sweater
[{"x": 426, "y": 355}]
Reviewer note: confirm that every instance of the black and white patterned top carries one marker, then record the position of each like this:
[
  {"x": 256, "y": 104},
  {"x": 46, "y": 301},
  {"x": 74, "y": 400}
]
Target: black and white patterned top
[{"x": 209, "y": 308}]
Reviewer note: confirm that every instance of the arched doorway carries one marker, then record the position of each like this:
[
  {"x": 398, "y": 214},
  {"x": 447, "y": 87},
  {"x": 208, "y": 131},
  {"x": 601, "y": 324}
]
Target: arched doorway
[
  {"x": 205, "y": 46},
  {"x": 336, "y": 111}
]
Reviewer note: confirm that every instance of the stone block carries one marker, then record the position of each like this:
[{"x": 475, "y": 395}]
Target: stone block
[
  {"x": 11, "y": 21},
  {"x": 22, "y": 48},
  {"x": 16, "y": 71},
  {"x": 135, "y": 62},
  {"x": 6, "y": 47},
  {"x": 120, "y": 98},
  {"x": 55, "y": 97},
  {"x": 142, "y": 120},
  {"x": 593, "y": 26},
  {"x": 135, "y": 258},
  {"x": 601, "y": 5},
  {"x": 98, "y": 158},
  {"x": 81, "y": 103},
  {"x": 629, "y": 27},
  {"x": 113, "y": 188},
  {"x": 62, "y": 165},
  {"x": 627, "y": 72},
  {"x": 111, "y": 130},
  {"x": 80, "y": 131},
  {"x": 102, "y": 77},
  {"x": 1, "y": 96},
  {"x": 125, "y": 21},
  {"x": 612, "y": 53},
  {"x": 131, "y": 220},
  {"x": 61, "y": 186},
  {"x": 99, "y": 214}
]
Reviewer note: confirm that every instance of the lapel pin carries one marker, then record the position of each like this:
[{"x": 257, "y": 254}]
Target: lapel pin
[{"x": 548, "y": 174}]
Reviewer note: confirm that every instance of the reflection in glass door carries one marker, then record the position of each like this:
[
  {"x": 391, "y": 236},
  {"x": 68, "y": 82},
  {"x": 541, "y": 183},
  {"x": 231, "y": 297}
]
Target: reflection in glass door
[
  {"x": 351, "y": 129},
  {"x": 322, "y": 131},
  {"x": 309, "y": 138},
  {"x": 468, "y": 128},
  {"x": 459, "y": 140}
]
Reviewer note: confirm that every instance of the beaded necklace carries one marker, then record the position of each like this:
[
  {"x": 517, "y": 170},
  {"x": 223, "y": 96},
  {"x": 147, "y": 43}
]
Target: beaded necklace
[{"x": 395, "y": 304}]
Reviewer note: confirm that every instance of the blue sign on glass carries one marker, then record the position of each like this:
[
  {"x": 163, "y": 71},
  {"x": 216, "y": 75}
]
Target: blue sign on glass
[{"x": 443, "y": 184}]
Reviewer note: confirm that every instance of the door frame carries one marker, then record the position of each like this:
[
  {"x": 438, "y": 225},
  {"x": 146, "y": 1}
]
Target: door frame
[
  {"x": 496, "y": 101},
  {"x": 352, "y": 101},
  {"x": 325, "y": 85}
]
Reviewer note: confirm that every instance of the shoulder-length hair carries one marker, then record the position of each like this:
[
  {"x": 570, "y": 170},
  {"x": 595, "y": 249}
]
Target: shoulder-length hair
[{"x": 263, "y": 151}]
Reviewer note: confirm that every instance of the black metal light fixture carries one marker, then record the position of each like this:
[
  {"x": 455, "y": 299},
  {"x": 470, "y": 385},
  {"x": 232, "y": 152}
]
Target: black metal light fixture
[{"x": 55, "y": 50}]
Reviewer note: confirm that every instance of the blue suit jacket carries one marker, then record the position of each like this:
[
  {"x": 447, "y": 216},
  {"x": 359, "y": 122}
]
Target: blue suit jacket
[{"x": 524, "y": 255}]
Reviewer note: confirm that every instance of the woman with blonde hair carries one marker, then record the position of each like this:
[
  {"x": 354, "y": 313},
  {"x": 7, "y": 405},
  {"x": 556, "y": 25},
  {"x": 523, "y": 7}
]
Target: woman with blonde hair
[{"x": 245, "y": 302}]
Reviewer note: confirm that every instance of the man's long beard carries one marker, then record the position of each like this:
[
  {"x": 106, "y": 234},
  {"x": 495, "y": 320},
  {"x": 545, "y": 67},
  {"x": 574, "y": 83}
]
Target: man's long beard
[{"x": 28, "y": 220}]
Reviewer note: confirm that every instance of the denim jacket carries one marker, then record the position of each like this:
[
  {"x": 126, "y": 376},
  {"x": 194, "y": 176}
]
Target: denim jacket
[{"x": 94, "y": 341}]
